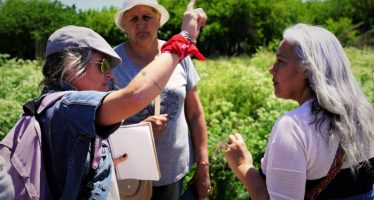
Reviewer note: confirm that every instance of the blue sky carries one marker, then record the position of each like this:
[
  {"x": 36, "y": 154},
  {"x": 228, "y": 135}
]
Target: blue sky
[{"x": 93, "y": 4}]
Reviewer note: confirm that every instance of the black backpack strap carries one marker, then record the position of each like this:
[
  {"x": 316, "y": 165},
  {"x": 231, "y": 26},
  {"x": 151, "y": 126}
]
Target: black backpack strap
[
  {"x": 36, "y": 106},
  {"x": 29, "y": 108}
]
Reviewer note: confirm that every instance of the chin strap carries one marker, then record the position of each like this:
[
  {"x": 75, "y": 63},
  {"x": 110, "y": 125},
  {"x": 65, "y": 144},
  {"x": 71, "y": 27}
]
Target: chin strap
[{"x": 181, "y": 46}]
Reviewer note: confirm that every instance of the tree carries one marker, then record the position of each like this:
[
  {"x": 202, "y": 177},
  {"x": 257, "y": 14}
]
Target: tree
[
  {"x": 25, "y": 25},
  {"x": 103, "y": 23}
]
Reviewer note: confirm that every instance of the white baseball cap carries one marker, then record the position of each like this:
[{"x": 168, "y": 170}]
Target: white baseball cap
[{"x": 128, "y": 4}]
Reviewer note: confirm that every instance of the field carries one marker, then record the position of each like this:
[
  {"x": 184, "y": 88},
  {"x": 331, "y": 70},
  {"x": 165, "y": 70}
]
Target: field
[{"x": 236, "y": 92}]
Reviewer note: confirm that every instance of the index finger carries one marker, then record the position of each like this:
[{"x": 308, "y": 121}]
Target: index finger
[
  {"x": 191, "y": 4},
  {"x": 230, "y": 139}
]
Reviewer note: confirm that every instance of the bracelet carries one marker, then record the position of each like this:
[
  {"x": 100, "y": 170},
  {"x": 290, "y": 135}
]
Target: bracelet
[
  {"x": 203, "y": 163},
  {"x": 188, "y": 36}
]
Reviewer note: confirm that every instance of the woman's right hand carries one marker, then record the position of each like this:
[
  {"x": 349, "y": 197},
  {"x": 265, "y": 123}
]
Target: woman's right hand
[
  {"x": 158, "y": 122},
  {"x": 193, "y": 19},
  {"x": 241, "y": 162}
]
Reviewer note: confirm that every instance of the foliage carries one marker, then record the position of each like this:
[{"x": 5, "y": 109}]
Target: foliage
[
  {"x": 19, "y": 82},
  {"x": 360, "y": 11},
  {"x": 102, "y": 22},
  {"x": 363, "y": 69},
  {"x": 344, "y": 30},
  {"x": 25, "y": 25},
  {"x": 234, "y": 27},
  {"x": 236, "y": 92}
]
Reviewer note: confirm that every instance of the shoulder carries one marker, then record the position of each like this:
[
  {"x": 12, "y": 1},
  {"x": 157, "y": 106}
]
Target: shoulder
[
  {"x": 187, "y": 62},
  {"x": 75, "y": 113},
  {"x": 295, "y": 125},
  {"x": 300, "y": 116},
  {"x": 75, "y": 103},
  {"x": 83, "y": 97}
]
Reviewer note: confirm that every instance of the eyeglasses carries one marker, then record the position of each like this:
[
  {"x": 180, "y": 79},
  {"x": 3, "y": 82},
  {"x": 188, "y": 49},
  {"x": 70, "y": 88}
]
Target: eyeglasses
[{"x": 104, "y": 65}]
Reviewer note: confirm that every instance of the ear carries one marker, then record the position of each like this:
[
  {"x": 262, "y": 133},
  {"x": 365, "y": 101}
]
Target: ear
[
  {"x": 123, "y": 20},
  {"x": 158, "y": 19},
  {"x": 305, "y": 74}
]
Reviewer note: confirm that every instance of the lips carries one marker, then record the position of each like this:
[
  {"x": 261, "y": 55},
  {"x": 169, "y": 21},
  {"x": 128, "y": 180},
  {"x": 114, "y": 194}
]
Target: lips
[
  {"x": 275, "y": 83},
  {"x": 142, "y": 33}
]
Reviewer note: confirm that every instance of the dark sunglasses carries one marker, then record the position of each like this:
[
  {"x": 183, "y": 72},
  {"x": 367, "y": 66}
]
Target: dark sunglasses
[{"x": 104, "y": 65}]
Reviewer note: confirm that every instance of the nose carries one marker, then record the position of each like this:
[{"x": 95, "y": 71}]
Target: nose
[
  {"x": 271, "y": 70},
  {"x": 109, "y": 74},
  {"x": 141, "y": 23}
]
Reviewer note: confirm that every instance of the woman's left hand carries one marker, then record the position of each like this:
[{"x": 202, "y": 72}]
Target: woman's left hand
[
  {"x": 193, "y": 19},
  {"x": 202, "y": 181},
  {"x": 158, "y": 122}
]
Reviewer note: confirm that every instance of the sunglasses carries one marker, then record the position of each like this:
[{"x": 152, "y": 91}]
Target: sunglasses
[{"x": 104, "y": 65}]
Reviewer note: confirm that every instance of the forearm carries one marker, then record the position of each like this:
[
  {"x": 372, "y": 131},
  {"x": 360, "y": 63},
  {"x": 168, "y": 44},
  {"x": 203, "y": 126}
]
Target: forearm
[
  {"x": 196, "y": 123},
  {"x": 200, "y": 138},
  {"x": 241, "y": 162},
  {"x": 252, "y": 181},
  {"x": 123, "y": 103}
]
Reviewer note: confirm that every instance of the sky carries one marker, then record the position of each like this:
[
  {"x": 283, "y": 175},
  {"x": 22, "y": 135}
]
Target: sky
[{"x": 93, "y": 4}]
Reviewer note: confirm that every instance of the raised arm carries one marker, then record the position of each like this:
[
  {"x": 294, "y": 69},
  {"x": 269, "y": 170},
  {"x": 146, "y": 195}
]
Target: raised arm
[{"x": 149, "y": 82}]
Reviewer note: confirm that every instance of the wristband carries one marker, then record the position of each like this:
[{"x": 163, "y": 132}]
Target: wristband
[
  {"x": 182, "y": 47},
  {"x": 188, "y": 36}
]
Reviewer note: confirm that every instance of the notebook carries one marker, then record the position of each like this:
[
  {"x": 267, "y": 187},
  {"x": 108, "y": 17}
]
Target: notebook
[{"x": 136, "y": 140}]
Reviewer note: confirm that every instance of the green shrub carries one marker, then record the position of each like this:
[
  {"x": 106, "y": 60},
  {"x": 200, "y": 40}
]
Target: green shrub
[
  {"x": 236, "y": 92},
  {"x": 19, "y": 83},
  {"x": 344, "y": 30}
]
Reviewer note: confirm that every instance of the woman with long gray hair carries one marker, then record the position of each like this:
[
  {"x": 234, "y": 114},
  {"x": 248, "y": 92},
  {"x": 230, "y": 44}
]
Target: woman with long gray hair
[{"x": 324, "y": 148}]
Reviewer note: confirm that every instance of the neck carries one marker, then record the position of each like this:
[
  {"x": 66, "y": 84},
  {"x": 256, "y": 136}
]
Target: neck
[
  {"x": 143, "y": 49},
  {"x": 142, "y": 54},
  {"x": 305, "y": 95}
]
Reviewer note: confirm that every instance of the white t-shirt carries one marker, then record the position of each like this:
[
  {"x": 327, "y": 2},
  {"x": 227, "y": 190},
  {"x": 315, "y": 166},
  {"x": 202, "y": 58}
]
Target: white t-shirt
[{"x": 296, "y": 152}]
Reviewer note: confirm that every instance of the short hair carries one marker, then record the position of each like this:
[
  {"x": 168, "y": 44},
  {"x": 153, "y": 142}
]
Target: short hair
[{"x": 338, "y": 96}]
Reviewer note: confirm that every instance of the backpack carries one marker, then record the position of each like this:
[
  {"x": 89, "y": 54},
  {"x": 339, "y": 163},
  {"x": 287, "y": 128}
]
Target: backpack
[{"x": 22, "y": 147}]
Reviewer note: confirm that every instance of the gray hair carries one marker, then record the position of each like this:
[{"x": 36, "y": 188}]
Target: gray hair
[
  {"x": 338, "y": 97},
  {"x": 58, "y": 65}
]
